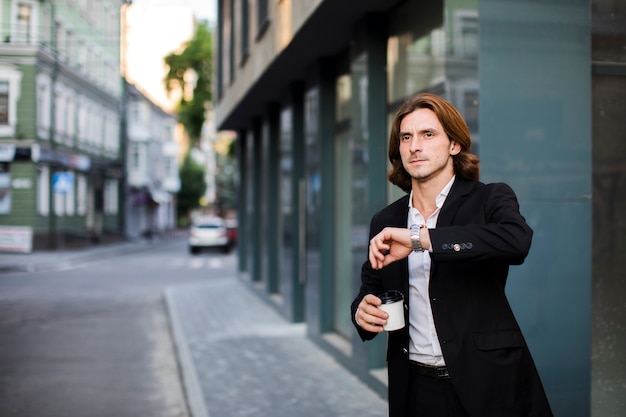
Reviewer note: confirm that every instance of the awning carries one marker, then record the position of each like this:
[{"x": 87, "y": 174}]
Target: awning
[{"x": 160, "y": 197}]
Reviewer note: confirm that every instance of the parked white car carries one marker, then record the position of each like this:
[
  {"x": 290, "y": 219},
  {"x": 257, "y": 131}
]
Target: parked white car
[{"x": 209, "y": 233}]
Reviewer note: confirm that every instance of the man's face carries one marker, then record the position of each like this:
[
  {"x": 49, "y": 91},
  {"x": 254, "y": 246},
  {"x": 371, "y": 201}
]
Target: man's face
[{"x": 425, "y": 148}]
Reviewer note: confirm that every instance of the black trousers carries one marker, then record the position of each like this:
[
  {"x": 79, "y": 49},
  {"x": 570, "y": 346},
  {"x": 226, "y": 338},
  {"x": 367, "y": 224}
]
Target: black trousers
[{"x": 433, "y": 397}]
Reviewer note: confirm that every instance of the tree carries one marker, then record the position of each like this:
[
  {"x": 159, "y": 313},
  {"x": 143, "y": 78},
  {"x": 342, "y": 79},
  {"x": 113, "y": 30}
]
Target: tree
[
  {"x": 192, "y": 187},
  {"x": 195, "y": 59}
]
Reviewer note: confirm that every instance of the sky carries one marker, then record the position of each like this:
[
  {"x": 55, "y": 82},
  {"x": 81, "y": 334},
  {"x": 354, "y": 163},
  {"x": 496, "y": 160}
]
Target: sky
[
  {"x": 157, "y": 28},
  {"x": 204, "y": 9}
]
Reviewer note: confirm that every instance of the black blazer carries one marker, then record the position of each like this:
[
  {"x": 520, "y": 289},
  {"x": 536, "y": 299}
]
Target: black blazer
[{"x": 479, "y": 233}]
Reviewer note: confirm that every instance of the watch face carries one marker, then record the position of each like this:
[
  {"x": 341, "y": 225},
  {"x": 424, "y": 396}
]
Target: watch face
[{"x": 415, "y": 237}]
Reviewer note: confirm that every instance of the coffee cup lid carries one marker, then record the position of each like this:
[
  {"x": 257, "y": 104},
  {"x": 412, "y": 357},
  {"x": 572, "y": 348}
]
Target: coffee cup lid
[{"x": 391, "y": 296}]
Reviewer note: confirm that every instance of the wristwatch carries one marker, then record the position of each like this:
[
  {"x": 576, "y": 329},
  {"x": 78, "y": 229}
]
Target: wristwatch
[{"x": 415, "y": 237}]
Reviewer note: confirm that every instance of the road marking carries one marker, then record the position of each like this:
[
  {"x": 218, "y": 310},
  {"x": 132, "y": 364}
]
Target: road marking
[
  {"x": 196, "y": 263},
  {"x": 215, "y": 263}
]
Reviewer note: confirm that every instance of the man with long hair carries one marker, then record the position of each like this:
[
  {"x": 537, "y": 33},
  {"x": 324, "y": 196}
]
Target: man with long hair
[{"x": 447, "y": 246}]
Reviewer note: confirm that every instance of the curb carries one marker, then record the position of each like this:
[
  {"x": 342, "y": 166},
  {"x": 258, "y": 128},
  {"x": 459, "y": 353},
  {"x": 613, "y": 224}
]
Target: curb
[{"x": 196, "y": 403}]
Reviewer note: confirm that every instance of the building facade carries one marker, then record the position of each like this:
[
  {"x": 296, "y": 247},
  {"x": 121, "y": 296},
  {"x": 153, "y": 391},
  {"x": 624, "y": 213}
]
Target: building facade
[
  {"x": 60, "y": 92},
  {"x": 311, "y": 86},
  {"x": 151, "y": 167}
]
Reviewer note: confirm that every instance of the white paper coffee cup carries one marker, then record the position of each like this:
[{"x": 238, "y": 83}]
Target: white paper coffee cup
[{"x": 393, "y": 304}]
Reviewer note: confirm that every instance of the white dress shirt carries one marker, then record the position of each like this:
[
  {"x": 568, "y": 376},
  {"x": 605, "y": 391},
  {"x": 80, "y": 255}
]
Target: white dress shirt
[{"x": 424, "y": 344}]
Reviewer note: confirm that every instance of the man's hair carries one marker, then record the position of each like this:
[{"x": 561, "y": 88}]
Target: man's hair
[{"x": 466, "y": 165}]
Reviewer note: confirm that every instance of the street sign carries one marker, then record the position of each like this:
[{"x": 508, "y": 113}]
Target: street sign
[{"x": 62, "y": 182}]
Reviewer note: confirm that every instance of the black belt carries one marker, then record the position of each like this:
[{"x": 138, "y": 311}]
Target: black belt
[{"x": 436, "y": 372}]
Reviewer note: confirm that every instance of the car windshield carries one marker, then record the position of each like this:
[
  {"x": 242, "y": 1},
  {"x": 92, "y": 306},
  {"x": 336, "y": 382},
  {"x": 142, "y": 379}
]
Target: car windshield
[{"x": 208, "y": 226}]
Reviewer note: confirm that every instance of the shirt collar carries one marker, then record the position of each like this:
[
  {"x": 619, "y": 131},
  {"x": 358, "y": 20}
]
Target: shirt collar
[{"x": 441, "y": 198}]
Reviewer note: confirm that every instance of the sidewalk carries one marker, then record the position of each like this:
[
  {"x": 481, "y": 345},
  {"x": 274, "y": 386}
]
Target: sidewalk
[{"x": 238, "y": 356}]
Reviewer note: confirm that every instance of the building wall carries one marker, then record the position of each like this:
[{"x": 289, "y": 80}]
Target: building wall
[
  {"x": 521, "y": 74},
  {"x": 22, "y": 196},
  {"x": 152, "y": 167},
  {"x": 268, "y": 41},
  {"x": 67, "y": 119}
]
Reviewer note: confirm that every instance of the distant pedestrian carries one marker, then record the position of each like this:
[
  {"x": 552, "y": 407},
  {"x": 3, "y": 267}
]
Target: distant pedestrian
[{"x": 447, "y": 246}]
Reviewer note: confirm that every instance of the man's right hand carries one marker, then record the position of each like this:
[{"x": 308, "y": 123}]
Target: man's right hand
[
  {"x": 368, "y": 316},
  {"x": 392, "y": 244}
]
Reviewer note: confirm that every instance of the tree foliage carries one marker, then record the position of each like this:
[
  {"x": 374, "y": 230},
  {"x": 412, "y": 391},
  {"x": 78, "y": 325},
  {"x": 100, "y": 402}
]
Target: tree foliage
[
  {"x": 192, "y": 186},
  {"x": 196, "y": 60}
]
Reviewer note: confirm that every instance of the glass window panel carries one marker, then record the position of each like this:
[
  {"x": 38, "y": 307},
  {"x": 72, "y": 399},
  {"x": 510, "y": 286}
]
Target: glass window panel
[
  {"x": 24, "y": 23},
  {"x": 286, "y": 178},
  {"x": 312, "y": 188},
  {"x": 415, "y": 49},
  {"x": 81, "y": 197},
  {"x": 4, "y": 102},
  {"x": 5, "y": 188},
  {"x": 43, "y": 190}
]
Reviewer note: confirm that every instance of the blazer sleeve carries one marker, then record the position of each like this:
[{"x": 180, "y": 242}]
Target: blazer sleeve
[
  {"x": 490, "y": 228},
  {"x": 393, "y": 276},
  {"x": 371, "y": 282}
]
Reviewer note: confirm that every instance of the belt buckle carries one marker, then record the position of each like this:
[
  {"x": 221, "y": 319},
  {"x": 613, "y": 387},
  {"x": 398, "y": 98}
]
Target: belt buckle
[{"x": 443, "y": 373}]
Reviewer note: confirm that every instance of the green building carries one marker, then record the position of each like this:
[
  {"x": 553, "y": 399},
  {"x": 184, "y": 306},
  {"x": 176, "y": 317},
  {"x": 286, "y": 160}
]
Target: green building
[
  {"x": 60, "y": 98},
  {"x": 310, "y": 88}
]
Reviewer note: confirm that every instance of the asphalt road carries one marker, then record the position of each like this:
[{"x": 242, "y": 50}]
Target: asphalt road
[{"x": 93, "y": 340}]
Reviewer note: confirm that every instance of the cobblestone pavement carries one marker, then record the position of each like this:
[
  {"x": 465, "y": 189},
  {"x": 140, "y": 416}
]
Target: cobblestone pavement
[{"x": 241, "y": 358}]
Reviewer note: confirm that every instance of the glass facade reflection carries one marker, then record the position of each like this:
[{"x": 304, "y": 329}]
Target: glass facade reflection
[
  {"x": 344, "y": 205},
  {"x": 608, "y": 371},
  {"x": 415, "y": 51},
  {"x": 286, "y": 253},
  {"x": 310, "y": 188},
  {"x": 437, "y": 53}
]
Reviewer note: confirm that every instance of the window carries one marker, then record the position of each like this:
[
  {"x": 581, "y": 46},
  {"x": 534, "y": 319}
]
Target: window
[
  {"x": 244, "y": 32},
  {"x": 111, "y": 132},
  {"x": 81, "y": 194},
  {"x": 70, "y": 53},
  {"x": 59, "y": 35},
  {"x": 134, "y": 160},
  {"x": 415, "y": 50},
  {"x": 263, "y": 17},
  {"x": 59, "y": 114},
  {"x": 10, "y": 89},
  {"x": 59, "y": 204},
  {"x": 43, "y": 106},
  {"x": 4, "y": 102},
  {"x": 465, "y": 34},
  {"x": 169, "y": 166},
  {"x": 83, "y": 122},
  {"x": 111, "y": 197},
  {"x": 63, "y": 193},
  {"x": 70, "y": 197},
  {"x": 23, "y": 32},
  {"x": 70, "y": 124},
  {"x": 81, "y": 54},
  {"x": 43, "y": 190},
  {"x": 5, "y": 188}
]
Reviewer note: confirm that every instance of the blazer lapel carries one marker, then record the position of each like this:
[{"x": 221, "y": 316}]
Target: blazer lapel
[
  {"x": 460, "y": 188},
  {"x": 399, "y": 219}
]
